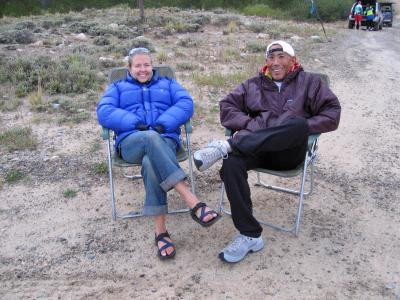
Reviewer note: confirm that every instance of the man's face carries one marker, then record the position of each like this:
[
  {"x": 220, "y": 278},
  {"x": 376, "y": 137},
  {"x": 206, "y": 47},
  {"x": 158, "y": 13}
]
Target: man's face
[
  {"x": 141, "y": 67},
  {"x": 279, "y": 63}
]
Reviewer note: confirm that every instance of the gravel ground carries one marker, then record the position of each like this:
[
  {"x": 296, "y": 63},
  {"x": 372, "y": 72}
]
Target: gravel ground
[{"x": 53, "y": 247}]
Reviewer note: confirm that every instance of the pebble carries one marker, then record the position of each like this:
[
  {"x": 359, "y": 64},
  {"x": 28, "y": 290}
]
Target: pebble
[{"x": 391, "y": 285}]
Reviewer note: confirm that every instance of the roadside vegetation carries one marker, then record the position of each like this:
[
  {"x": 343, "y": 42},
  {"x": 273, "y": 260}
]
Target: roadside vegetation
[
  {"x": 18, "y": 138},
  {"x": 282, "y": 9}
]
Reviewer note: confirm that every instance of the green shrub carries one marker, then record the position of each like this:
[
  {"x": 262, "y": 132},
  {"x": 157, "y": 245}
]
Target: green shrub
[
  {"x": 224, "y": 20},
  {"x": 13, "y": 176},
  {"x": 219, "y": 80},
  {"x": 74, "y": 110},
  {"x": 188, "y": 42},
  {"x": 101, "y": 41},
  {"x": 230, "y": 28},
  {"x": 255, "y": 47},
  {"x": 9, "y": 104},
  {"x": 70, "y": 74},
  {"x": 140, "y": 42},
  {"x": 228, "y": 55},
  {"x": 185, "y": 66},
  {"x": 18, "y": 138},
  {"x": 263, "y": 10},
  {"x": 162, "y": 56},
  {"x": 100, "y": 168},
  {"x": 36, "y": 98},
  {"x": 257, "y": 27},
  {"x": 69, "y": 193}
]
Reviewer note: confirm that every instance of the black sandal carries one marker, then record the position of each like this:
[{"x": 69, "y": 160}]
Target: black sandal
[
  {"x": 161, "y": 238},
  {"x": 202, "y": 206}
]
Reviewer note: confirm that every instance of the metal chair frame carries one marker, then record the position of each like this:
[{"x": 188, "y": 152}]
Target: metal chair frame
[
  {"x": 113, "y": 159},
  {"x": 308, "y": 163}
]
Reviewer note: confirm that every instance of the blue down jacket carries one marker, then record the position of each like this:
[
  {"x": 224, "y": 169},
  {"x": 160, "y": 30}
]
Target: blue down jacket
[{"x": 162, "y": 101}]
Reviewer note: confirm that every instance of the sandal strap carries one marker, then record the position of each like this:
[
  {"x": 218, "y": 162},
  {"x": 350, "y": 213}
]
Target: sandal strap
[
  {"x": 196, "y": 207},
  {"x": 167, "y": 245},
  {"x": 161, "y": 237}
]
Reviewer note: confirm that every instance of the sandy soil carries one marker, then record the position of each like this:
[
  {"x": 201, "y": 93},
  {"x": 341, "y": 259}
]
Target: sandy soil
[{"x": 349, "y": 243}]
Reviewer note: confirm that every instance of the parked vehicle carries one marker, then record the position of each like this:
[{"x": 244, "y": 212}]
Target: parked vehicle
[
  {"x": 378, "y": 20},
  {"x": 387, "y": 13}
]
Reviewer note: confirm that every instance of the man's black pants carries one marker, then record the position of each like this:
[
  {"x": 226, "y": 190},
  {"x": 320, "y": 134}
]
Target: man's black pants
[{"x": 279, "y": 148}]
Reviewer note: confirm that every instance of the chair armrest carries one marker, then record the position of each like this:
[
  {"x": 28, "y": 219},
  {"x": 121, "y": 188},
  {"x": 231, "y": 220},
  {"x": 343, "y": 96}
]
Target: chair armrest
[
  {"x": 228, "y": 132},
  {"x": 105, "y": 133},
  {"x": 312, "y": 142},
  {"x": 188, "y": 127},
  {"x": 312, "y": 139}
]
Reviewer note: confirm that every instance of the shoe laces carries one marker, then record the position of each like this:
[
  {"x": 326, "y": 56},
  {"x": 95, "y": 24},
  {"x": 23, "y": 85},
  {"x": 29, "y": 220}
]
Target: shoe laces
[
  {"x": 219, "y": 146},
  {"x": 237, "y": 242}
]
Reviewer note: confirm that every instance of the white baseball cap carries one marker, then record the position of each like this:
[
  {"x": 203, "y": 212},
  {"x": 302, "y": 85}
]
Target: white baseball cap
[{"x": 285, "y": 48}]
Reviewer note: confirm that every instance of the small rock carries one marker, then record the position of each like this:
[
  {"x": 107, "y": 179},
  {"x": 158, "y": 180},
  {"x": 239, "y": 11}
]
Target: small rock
[
  {"x": 391, "y": 285},
  {"x": 113, "y": 25},
  {"x": 263, "y": 36},
  {"x": 81, "y": 37},
  {"x": 62, "y": 240},
  {"x": 296, "y": 38},
  {"x": 101, "y": 58},
  {"x": 38, "y": 44},
  {"x": 91, "y": 256}
]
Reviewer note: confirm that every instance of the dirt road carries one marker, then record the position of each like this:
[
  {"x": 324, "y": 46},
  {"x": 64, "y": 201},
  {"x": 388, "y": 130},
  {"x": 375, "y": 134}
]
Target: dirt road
[{"x": 349, "y": 244}]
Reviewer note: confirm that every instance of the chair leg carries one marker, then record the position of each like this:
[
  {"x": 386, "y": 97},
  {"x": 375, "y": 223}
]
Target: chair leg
[
  {"x": 115, "y": 215},
  {"x": 301, "y": 194},
  {"x": 111, "y": 180},
  {"x": 191, "y": 173}
]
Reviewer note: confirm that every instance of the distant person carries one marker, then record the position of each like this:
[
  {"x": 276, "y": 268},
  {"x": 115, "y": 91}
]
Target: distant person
[
  {"x": 272, "y": 115},
  {"x": 146, "y": 110},
  {"x": 358, "y": 13},
  {"x": 369, "y": 13}
]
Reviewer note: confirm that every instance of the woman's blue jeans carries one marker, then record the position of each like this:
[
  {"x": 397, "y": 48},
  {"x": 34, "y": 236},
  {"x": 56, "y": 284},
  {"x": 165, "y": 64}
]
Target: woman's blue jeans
[{"x": 160, "y": 168}]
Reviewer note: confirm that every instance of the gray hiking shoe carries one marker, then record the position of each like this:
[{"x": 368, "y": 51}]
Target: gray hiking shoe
[
  {"x": 205, "y": 158},
  {"x": 239, "y": 247}
]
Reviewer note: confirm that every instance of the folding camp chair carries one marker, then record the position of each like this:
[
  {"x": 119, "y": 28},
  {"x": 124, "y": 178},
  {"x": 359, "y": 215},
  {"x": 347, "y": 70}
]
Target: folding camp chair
[
  {"x": 305, "y": 170},
  {"x": 114, "y": 159}
]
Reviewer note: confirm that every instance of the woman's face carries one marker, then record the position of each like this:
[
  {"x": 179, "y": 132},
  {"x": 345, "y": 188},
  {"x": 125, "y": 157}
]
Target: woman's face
[{"x": 141, "y": 68}]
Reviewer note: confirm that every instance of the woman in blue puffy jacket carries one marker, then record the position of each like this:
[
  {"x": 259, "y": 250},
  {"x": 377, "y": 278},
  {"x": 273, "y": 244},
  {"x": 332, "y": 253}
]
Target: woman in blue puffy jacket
[{"x": 145, "y": 111}]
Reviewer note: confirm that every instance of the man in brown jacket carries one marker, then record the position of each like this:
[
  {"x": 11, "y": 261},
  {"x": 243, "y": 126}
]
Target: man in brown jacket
[{"x": 272, "y": 115}]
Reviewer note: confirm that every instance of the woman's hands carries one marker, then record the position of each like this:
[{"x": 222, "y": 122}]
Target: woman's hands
[{"x": 141, "y": 126}]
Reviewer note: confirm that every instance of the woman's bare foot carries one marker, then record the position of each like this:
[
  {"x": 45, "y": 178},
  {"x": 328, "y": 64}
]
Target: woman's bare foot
[{"x": 204, "y": 215}]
